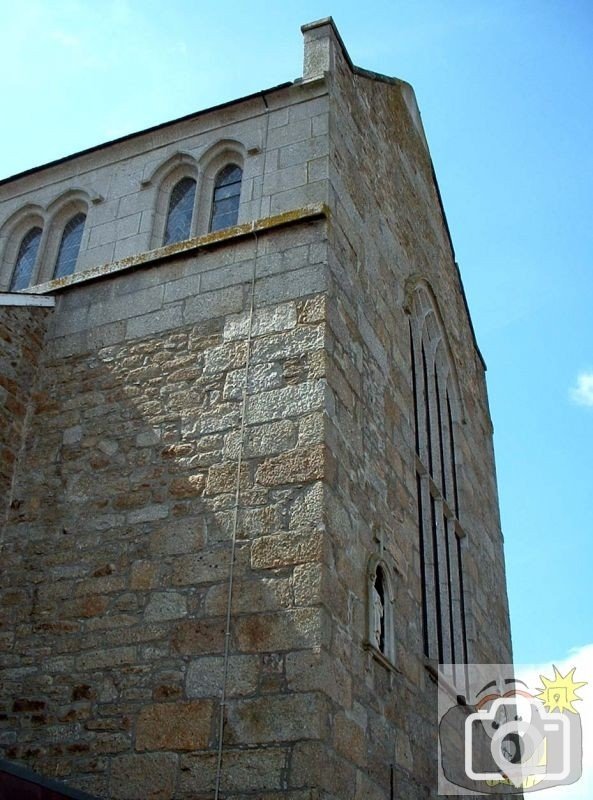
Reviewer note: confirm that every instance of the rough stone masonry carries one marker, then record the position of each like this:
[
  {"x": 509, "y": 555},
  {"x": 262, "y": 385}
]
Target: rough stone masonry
[{"x": 233, "y": 416}]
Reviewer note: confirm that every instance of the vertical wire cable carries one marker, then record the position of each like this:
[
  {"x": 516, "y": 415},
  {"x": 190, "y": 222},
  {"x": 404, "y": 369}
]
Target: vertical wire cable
[{"x": 227, "y": 633}]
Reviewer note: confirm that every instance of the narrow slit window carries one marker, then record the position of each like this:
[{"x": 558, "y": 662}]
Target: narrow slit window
[
  {"x": 381, "y": 631},
  {"x": 225, "y": 202},
  {"x": 378, "y": 600},
  {"x": 25, "y": 261},
  {"x": 69, "y": 246},
  {"x": 180, "y": 211}
]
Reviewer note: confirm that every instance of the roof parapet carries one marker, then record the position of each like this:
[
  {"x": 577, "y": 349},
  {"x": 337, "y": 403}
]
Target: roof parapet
[{"x": 321, "y": 38}]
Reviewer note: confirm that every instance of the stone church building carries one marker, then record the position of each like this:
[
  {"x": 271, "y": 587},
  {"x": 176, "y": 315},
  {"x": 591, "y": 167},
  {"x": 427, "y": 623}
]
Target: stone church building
[{"x": 248, "y": 491}]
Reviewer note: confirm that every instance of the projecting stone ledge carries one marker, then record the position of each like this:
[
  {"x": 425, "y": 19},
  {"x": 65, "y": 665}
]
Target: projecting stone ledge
[{"x": 187, "y": 247}]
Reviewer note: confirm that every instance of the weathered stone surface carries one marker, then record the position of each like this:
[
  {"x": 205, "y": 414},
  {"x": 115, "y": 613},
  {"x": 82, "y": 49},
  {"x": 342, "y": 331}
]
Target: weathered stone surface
[
  {"x": 225, "y": 357},
  {"x": 209, "y": 566},
  {"x": 166, "y": 605},
  {"x": 223, "y": 478},
  {"x": 262, "y": 593},
  {"x": 286, "y": 630},
  {"x": 349, "y": 739},
  {"x": 260, "y": 378},
  {"x": 312, "y": 310},
  {"x": 296, "y": 466},
  {"x": 279, "y": 347},
  {"x": 196, "y": 637},
  {"x": 292, "y": 401},
  {"x": 179, "y": 536},
  {"x": 306, "y": 583},
  {"x": 315, "y": 764},
  {"x": 245, "y": 771},
  {"x": 284, "y": 549},
  {"x": 174, "y": 726},
  {"x": 265, "y": 320},
  {"x": 306, "y": 511},
  {"x": 262, "y": 440},
  {"x": 188, "y": 486},
  {"x": 151, "y": 776},
  {"x": 205, "y": 676},
  {"x": 280, "y": 718}
]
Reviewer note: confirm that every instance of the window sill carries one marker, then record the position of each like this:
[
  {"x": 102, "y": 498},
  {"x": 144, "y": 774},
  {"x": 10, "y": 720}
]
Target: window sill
[
  {"x": 431, "y": 665},
  {"x": 380, "y": 657}
]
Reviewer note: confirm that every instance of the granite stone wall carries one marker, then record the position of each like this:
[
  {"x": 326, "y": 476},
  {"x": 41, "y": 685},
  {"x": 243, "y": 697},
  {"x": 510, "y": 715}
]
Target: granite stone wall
[
  {"x": 116, "y": 554},
  {"x": 22, "y": 330}
]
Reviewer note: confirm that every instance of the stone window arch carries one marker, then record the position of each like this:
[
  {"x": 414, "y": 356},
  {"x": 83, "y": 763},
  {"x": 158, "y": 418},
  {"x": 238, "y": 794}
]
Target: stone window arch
[
  {"x": 26, "y": 260},
  {"x": 20, "y": 260},
  {"x": 69, "y": 246},
  {"x": 380, "y": 609},
  {"x": 226, "y": 197},
  {"x": 65, "y": 235},
  {"x": 175, "y": 212},
  {"x": 442, "y": 539},
  {"x": 220, "y": 186}
]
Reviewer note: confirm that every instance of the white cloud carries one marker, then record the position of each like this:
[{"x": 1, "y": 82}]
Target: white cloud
[
  {"x": 582, "y": 659},
  {"x": 582, "y": 393}
]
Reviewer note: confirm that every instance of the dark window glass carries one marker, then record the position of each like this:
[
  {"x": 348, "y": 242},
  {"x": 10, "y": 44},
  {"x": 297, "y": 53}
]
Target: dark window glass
[
  {"x": 225, "y": 203},
  {"x": 69, "y": 246},
  {"x": 21, "y": 277},
  {"x": 180, "y": 213}
]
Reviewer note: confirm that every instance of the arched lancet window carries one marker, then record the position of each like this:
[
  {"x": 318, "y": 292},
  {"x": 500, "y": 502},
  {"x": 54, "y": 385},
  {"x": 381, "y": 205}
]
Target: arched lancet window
[
  {"x": 25, "y": 261},
  {"x": 380, "y": 611},
  {"x": 69, "y": 246},
  {"x": 441, "y": 533},
  {"x": 180, "y": 211},
  {"x": 225, "y": 201}
]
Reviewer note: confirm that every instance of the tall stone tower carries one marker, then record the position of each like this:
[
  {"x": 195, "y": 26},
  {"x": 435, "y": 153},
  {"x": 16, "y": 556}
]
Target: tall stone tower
[{"x": 249, "y": 498}]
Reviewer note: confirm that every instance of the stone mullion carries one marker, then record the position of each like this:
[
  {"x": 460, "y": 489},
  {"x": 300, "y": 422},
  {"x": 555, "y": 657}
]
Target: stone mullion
[
  {"x": 431, "y": 565},
  {"x": 435, "y": 422},
  {"x": 421, "y": 395},
  {"x": 443, "y": 578},
  {"x": 447, "y": 455},
  {"x": 456, "y": 605}
]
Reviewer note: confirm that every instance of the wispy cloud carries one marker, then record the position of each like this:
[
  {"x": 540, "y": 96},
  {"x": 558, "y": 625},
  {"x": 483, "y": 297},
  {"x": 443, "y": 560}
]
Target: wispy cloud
[{"x": 582, "y": 393}]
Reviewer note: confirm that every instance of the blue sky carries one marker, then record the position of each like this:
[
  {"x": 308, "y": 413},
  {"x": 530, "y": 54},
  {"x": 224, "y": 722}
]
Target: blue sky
[{"x": 506, "y": 94}]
